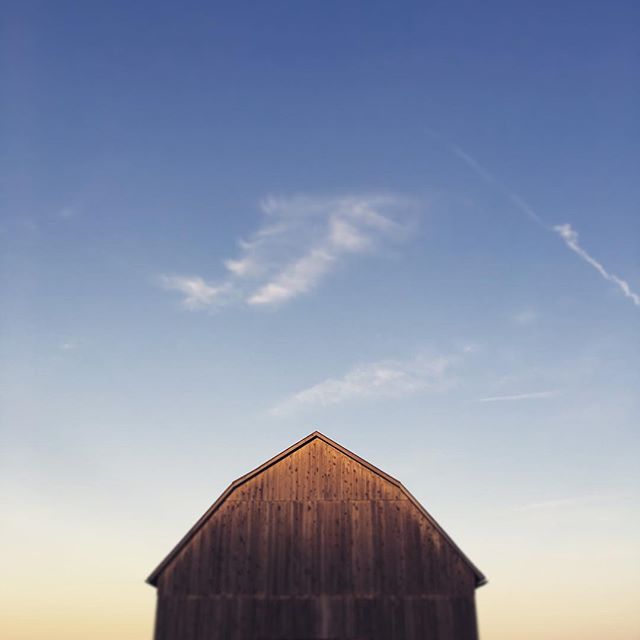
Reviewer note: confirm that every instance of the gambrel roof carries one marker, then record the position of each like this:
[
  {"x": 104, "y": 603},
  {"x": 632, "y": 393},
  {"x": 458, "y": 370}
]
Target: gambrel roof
[{"x": 153, "y": 578}]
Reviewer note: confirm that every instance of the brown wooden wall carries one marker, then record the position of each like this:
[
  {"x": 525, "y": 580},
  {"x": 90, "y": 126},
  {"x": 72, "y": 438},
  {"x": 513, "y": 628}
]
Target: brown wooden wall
[{"x": 317, "y": 546}]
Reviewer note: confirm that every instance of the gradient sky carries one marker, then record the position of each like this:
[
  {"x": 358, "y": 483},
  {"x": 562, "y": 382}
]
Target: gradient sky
[{"x": 412, "y": 226}]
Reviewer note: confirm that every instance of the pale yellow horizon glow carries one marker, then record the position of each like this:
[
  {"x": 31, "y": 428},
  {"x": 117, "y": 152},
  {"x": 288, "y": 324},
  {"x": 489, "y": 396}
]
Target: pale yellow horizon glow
[{"x": 71, "y": 576}]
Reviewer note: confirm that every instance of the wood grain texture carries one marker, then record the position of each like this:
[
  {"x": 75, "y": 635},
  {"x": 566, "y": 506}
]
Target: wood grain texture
[{"x": 317, "y": 545}]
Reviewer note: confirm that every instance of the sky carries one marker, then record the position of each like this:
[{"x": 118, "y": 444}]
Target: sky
[{"x": 411, "y": 226}]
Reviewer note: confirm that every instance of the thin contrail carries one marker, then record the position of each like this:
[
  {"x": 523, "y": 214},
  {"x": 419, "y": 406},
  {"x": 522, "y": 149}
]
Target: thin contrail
[
  {"x": 521, "y": 396},
  {"x": 517, "y": 200},
  {"x": 565, "y": 231},
  {"x": 570, "y": 236}
]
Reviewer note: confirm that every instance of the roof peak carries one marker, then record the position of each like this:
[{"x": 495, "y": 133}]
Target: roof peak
[{"x": 283, "y": 454}]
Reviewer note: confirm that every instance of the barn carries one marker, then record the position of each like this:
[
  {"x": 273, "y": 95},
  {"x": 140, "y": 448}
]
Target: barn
[{"x": 316, "y": 543}]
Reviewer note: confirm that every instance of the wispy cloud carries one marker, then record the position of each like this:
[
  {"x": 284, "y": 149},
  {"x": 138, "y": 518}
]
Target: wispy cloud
[
  {"x": 301, "y": 241},
  {"x": 570, "y": 236},
  {"x": 565, "y": 231},
  {"x": 197, "y": 293},
  {"x": 535, "y": 395},
  {"x": 383, "y": 379}
]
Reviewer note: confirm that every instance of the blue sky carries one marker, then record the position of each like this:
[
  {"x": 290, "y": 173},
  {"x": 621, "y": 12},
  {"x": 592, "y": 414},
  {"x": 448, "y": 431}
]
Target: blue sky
[{"x": 412, "y": 226}]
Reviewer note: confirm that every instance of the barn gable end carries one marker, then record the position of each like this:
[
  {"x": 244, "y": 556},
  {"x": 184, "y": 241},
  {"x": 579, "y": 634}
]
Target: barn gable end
[{"x": 320, "y": 530}]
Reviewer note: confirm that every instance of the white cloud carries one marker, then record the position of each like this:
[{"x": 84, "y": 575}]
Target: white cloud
[
  {"x": 535, "y": 395},
  {"x": 570, "y": 236},
  {"x": 384, "y": 379},
  {"x": 296, "y": 278},
  {"x": 197, "y": 293},
  {"x": 307, "y": 238},
  {"x": 300, "y": 242}
]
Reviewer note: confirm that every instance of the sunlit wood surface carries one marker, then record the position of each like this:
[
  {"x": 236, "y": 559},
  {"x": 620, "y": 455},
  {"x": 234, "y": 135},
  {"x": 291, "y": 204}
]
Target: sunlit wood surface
[{"x": 317, "y": 545}]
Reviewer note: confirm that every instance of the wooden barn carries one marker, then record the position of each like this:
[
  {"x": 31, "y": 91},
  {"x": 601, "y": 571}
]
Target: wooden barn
[{"x": 316, "y": 543}]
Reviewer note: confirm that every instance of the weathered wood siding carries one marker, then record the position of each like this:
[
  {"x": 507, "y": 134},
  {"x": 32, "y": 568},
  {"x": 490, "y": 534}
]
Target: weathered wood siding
[{"x": 317, "y": 546}]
